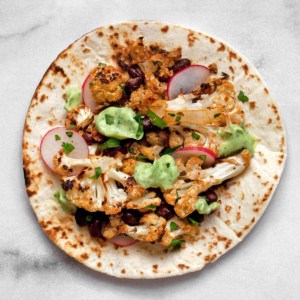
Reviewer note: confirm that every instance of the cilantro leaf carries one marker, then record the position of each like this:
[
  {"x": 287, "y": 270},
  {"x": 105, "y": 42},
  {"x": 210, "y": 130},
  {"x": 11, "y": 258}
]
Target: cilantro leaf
[
  {"x": 242, "y": 97},
  {"x": 173, "y": 226},
  {"x": 71, "y": 127},
  {"x": 195, "y": 136},
  {"x": 177, "y": 119},
  {"x": 98, "y": 172},
  {"x": 194, "y": 222},
  {"x": 110, "y": 143},
  {"x": 68, "y": 148},
  {"x": 202, "y": 157},
  {"x": 217, "y": 115},
  {"x": 69, "y": 133},
  {"x": 91, "y": 83},
  {"x": 176, "y": 244},
  {"x": 102, "y": 64},
  {"x": 171, "y": 150},
  {"x": 142, "y": 157},
  {"x": 151, "y": 207},
  {"x": 140, "y": 129},
  {"x": 131, "y": 150},
  {"x": 156, "y": 120},
  {"x": 57, "y": 137},
  {"x": 122, "y": 88},
  {"x": 89, "y": 218},
  {"x": 109, "y": 119}
]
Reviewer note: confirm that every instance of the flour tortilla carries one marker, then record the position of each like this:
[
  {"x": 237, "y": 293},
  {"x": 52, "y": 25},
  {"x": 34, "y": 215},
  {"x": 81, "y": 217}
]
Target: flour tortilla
[{"x": 244, "y": 198}]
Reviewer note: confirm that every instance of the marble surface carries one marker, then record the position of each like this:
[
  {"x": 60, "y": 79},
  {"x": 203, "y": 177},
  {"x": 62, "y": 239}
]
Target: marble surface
[{"x": 265, "y": 266}]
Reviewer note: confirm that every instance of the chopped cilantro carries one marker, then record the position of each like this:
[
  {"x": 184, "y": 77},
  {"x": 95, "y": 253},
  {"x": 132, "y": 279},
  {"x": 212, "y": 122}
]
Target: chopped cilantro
[
  {"x": 141, "y": 157},
  {"x": 91, "y": 83},
  {"x": 172, "y": 115},
  {"x": 202, "y": 157},
  {"x": 171, "y": 150},
  {"x": 156, "y": 120},
  {"x": 242, "y": 97},
  {"x": 176, "y": 244},
  {"x": 131, "y": 150},
  {"x": 194, "y": 222},
  {"x": 168, "y": 165},
  {"x": 98, "y": 172},
  {"x": 151, "y": 207},
  {"x": 173, "y": 226},
  {"x": 217, "y": 115},
  {"x": 69, "y": 133},
  {"x": 102, "y": 64},
  {"x": 195, "y": 136},
  {"x": 57, "y": 137},
  {"x": 71, "y": 127},
  {"x": 122, "y": 88},
  {"x": 140, "y": 129},
  {"x": 177, "y": 119},
  {"x": 68, "y": 148},
  {"x": 110, "y": 143},
  {"x": 109, "y": 119},
  {"x": 89, "y": 218}
]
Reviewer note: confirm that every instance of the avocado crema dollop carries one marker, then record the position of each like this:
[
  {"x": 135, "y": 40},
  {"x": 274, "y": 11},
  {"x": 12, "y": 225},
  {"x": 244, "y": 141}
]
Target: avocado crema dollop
[
  {"x": 73, "y": 97},
  {"x": 235, "y": 139},
  {"x": 161, "y": 174},
  {"x": 120, "y": 123}
]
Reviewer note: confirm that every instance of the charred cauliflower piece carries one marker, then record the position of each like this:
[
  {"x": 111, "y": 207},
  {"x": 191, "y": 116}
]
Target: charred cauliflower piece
[
  {"x": 106, "y": 84},
  {"x": 159, "y": 138},
  {"x": 80, "y": 117},
  {"x": 134, "y": 190},
  {"x": 128, "y": 166},
  {"x": 151, "y": 152},
  {"x": 226, "y": 169},
  {"x": 175, "y": 139},
  {"x": 182, "y": 228},
  {"x": 144, "y": 201}
]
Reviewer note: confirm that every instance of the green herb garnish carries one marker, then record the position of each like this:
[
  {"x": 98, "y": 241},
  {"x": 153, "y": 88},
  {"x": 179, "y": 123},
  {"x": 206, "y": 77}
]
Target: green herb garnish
[
  {"x": 91, "y": 83},
  {"x": 195, "y": 136},
  {"x": 98, "y": 172},
  {"x": 176, "y": 244},
  {"x": 89, "y": 218},
  {"x": 110, "y": 143},
  {"x": 172, "y": 115},
  {"x": 173, "y": 226},
  {"x": 122, "y": 88},
  {"x": 131, "y": 150},
  {"x": 61, "y": 198},
  {"x": 242, "y": 97},
  {"x": 151, "y": 207},
  {"x": 140, "y": 129},
  {"x": 202, "y": 157},
  {"x": 102, "y": 64},
  {"x": 68, "y": 148},
  {"x": 57, "y": 137},
  {"x": 177, "y": 119},
  {"x": 142, "y": 157},
  {"x": 194, "y": 222},
  {"x": 71, "y": 127},
  {"x": 217, "y": 115},
  {"x": 171, "y": 150},
  {"x": 109, "y": 119},
  {"x": 69, "y": 134},
  {"x": 156, "y": 120}
]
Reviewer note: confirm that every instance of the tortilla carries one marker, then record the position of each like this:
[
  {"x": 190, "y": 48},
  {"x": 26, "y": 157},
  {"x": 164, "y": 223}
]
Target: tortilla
[{"x": 244, "y": 198}]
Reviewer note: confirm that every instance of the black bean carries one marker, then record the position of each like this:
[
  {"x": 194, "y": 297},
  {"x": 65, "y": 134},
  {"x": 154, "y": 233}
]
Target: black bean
[
  {"x": 67, "y": 185},
  {"x": 181, "y": 64},
  {"x": 88, "y": 138},
  {"x": 133, "y": 84},
  {"x": 113, "y": 151},
  {"x": 123, "y": 65},
  {"x": 211, "y": 196},
  {"x": 196, "y": 216},
  {"x": 80, "y": 217},
  {"x": 131, "y": 217},
  {"x": 95, "y": 228},
  {"x": 135, "y": 71},
  {"x": 165, "y": 211},
  {"x": 147, "y": 123}
]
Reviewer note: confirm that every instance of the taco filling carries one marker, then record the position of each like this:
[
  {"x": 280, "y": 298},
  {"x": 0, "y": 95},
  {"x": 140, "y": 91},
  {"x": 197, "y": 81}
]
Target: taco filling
[{"x": 145, "y": 144}]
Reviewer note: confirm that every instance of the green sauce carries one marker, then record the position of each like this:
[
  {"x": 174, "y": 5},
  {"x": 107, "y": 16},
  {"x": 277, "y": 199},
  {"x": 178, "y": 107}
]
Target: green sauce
[
  {"x": 119, "y": 123},
  {"x": 161, "y": 174},
  {"x": 235, "y": 139},
  {"x": 61, "y": 198},
  {"x": 204, "y": 208},
  {"x": 73, "y": 97}
]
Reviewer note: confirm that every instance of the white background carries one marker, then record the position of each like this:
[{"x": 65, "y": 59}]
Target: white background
[{"x": 266, "y": 265}]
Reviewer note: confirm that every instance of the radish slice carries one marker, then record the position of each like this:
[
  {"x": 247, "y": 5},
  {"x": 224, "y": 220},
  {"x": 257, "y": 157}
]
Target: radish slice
[
  {"x": 87, "y": 96},
  {"x": 122, "y": 240},
  {"x": 209, "y": 157},
  {"x": 187, "y": 80},
  {"x": 50, "y": 146}
]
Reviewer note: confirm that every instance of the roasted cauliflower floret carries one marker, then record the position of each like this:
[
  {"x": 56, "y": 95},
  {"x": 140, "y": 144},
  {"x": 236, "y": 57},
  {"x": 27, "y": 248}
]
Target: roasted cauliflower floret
[
  {"x": 180, "y": 228},
  {"x": 151, "y": 152},
  {"x": 230, "y": 167},
  {"x": 134, "y": 190},
  {"x": 106, "y": 84},
  {"x": 159, "y": 138},
  {"x": 138, "y": 51},
  {"x": 80, "y": 117},
  {"x": 178, "y": 190},
  {"x": 193, "y": 168},
  {"x": 91, "y": 134},
  {"x": 144, "y": 201},
  {"x": 175, "y": 139},
  {"x": 128, "y": 166}
]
